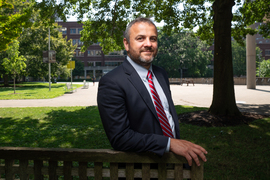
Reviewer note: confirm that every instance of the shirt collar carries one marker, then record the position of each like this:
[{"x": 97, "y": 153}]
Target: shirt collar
[{"x": 142, "y": 71}]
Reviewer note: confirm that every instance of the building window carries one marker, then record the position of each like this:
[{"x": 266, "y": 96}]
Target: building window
[
  {"x": 79, "y": 30},
  {"x": 64, "y": 31},
  {"x": 116, "y": 53},
  {"x": 98, "y": 63},
  {"x": 72, "y": 30},
  {"x": 112, "y": 63},
  {"x": 98, "y": 53},
  {"x": 80, "y": 43},
  {"x": 89, "y": 63},
  {"x": 80, "y": 53},
  {"x": 90, "y": 53},
  {"x": 74, "y": 41},
  {"x": 267, "y": 52}
]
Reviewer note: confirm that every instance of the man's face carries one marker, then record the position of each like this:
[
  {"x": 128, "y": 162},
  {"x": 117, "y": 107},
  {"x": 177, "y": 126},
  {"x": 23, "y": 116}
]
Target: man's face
[{"x": 142, "y": 46}]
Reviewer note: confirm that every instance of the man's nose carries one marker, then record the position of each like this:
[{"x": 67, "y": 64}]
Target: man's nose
[{"x": 147, "y": 42}]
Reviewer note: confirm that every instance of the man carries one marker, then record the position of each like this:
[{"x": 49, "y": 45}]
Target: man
[{"x": 134, "y": 98}]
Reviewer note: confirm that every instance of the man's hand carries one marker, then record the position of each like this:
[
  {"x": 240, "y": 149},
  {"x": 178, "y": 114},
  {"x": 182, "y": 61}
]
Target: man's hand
[{"x": 189, "y": 150}]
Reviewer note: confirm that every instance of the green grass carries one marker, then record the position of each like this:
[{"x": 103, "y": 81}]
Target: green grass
[
  {"x": 33, "y": 91},
  {"x": 240, "y": 152}
]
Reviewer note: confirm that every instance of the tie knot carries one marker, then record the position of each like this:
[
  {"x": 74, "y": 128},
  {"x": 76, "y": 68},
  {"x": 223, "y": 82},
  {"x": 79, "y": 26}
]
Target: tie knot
[{"x": 149, "y": 74}]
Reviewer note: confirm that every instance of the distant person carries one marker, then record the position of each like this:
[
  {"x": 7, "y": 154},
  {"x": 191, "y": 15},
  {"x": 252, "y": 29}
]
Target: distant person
[
  {"x": 94, "y": 78},
  {"x": 135, "y": 102}
]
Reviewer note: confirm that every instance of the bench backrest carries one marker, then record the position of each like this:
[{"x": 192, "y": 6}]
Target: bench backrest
[
  {"x": 68, "y": 85},
  {"x": 40, "y": 163}
]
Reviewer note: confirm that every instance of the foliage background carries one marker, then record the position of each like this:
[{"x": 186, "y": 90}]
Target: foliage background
[{"x": 183, "y": 50}]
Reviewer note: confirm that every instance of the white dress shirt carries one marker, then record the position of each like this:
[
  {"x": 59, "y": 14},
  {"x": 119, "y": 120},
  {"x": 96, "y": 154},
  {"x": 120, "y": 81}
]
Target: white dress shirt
[{"x": 142, "y": 72}]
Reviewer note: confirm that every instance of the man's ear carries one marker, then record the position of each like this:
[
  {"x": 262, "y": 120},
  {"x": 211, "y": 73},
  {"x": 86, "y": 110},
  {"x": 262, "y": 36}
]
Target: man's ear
[{"x": 126, "y": 44}]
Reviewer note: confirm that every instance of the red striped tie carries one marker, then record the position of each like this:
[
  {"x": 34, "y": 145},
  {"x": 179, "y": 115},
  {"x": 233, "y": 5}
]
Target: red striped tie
[{"x": 166, "y": 128}]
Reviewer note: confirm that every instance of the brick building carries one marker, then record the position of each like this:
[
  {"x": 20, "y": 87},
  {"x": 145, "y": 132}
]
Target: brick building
[
  {"x": 263, "y": 44},
  {"x": 95, "y": 62}
]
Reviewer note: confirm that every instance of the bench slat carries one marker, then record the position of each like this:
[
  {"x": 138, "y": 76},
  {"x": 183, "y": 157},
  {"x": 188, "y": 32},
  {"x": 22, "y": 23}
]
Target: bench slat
[
  {"x": 130, "y": 171},
  {"x": 52, "y": 170},
  {"x": 146, "y": 171},
  {"x": 23, "y": 170},
  {"x": 178, "y": 171},
  {"x": 9, "y": 174},
  {"x": 83, "y": 170},
  {"x": 67, "y": 170},
  {"x": 98, "y": 170},
  {"x": 162, "y": 173},
  {"x": 196, "y": 171},
  {"x": 113, "y": 171},
  {"x": 37, "y": 169}
]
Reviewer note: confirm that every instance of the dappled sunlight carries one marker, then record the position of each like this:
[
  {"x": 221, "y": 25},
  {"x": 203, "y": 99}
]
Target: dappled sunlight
[
  {"x": 231, "y": 150},
  {"x": 254, "y": 126},
  {"x": 183, "y": 109}
]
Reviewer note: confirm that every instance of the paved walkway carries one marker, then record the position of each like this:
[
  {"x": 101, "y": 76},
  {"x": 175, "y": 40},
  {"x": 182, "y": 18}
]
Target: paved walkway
[{"x": 248, "y": 100}]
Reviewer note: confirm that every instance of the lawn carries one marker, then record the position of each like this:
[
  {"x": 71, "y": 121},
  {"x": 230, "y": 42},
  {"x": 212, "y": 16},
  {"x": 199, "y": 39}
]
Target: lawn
[
  {"x": 33, "y": 91},
  {"x": 240, "y": 152}
]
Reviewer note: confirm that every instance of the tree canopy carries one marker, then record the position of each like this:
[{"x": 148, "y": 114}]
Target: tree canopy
[
  {"x": 14, "y": 16},
  {"x": 183, "y": 50},
  {"x": 34, "y": 41},
  {"x": 263, "y": 70},
  {"x": 107, "y": 19},
  {"x": 14, "y": 63}
]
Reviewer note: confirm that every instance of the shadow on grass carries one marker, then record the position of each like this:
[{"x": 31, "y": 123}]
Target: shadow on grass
[
  {"x": 240, "y": 152},
  {"x": 255, "y": 108},
  {"x": 81, "y": 128}
]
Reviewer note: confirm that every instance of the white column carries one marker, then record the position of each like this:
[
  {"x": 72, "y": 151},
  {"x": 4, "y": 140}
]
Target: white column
[{"x": 251, "y": 60}]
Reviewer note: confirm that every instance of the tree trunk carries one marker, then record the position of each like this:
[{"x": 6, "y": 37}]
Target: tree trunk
[
  {"x": 6, "y": 80},
  {"x": 14, "y": 79},
  {"x": 223, "y": 102}
]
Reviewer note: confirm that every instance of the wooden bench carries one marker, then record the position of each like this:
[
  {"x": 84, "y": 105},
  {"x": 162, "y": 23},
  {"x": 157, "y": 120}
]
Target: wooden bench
[
  {"x": 40, "y": 163},
  {"x": 187, "y": 82},
  {"x": 174, "y": 81},
  {"x": 69, "y": 88}
]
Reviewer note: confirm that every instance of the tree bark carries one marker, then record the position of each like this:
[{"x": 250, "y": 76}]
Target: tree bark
[
  {"x": 6, "y": 84},
  {"x": 14, "y": 83},
  {"x": 223, "y": 102}
]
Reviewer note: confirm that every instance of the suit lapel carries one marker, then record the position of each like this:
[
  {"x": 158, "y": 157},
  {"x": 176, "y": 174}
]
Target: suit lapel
[{"x": 136, "y": 81}]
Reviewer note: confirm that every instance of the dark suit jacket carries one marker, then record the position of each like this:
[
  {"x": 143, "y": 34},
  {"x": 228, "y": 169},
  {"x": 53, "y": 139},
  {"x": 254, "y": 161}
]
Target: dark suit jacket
[{"x": 128, "y": 113}]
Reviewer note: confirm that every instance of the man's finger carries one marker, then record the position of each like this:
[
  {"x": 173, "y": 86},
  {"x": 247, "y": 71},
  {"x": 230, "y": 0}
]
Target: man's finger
[
  {"x": 201, "y": 154},
  {"x": 195, "y": 158},
  {"x": 189, "y": 159}
]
